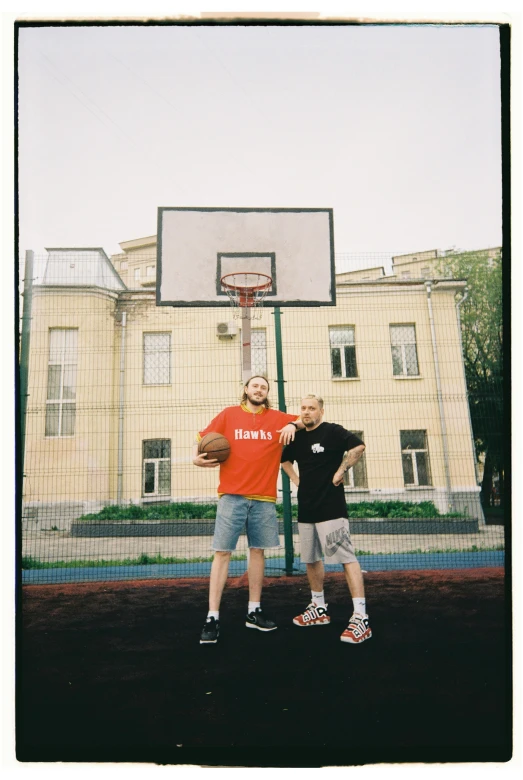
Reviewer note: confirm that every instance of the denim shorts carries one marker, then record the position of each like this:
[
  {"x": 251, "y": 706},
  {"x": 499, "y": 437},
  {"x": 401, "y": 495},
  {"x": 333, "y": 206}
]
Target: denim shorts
[
  {"x": 330, "y": 539},
  {"x": 236, "y": 513}
]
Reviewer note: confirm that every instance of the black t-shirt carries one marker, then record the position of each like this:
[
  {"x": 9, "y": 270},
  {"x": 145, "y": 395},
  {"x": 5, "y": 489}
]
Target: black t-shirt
[{"x": 318, "y": 454}]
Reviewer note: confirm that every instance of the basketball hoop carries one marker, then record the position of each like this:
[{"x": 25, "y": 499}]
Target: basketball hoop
[{"x": 246, "y": 290}]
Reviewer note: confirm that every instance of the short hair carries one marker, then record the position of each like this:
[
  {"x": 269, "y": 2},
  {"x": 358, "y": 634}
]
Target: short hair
[
  {"x": 266, "y": 403},
  {"x": 317, "y": 397}
]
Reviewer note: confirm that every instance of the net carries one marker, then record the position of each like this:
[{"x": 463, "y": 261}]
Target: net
[{"x": 246, "y": 290}]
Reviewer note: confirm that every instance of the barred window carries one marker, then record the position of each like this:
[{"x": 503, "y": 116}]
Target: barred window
[
  {"x": 258, "y": 352},
  {"x": 356, "y": 477},
  {"x": 157, "y": 358},
  {"x": 404, "y": 353},
  {"x": 60, "y": 413},
  {"x": 343, "y": 351},
  {"x": 156, "y": 473},
  {"x": 415, "y": 458}
]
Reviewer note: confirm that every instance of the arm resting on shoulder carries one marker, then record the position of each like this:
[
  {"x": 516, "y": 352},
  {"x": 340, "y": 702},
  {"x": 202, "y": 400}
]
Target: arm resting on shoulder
[{"x": 288, "y": 432}]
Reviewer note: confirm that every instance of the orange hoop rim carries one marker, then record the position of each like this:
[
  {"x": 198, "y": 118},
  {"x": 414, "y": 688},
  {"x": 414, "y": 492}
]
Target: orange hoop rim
[{"x": 243, "y": 289}]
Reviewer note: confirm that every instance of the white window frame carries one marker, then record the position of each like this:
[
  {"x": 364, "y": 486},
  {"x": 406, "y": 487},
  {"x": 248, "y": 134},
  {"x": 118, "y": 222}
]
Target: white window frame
[
  {"x": 402, "y": 347},
  {"x": 150, "y": 271},
  {"x": 348, "y": 477},
  {"x": 258, "y": 366},
  {"x": 341, "y": 347},
  {"x": 413, "y": 452},
  {"x": 66, "y": 359},
  {"x": 145, "y": 351},
  {"x": 156, "y": 462},
  {"x": 137, "y": 274}
]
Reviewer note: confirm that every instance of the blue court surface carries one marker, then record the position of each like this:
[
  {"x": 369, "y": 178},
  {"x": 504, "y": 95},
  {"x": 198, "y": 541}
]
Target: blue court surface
[{"x": 274, "y": 567}]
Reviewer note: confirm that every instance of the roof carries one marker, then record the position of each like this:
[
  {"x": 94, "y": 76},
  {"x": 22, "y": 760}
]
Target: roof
[{"x": 81, "y": 266}]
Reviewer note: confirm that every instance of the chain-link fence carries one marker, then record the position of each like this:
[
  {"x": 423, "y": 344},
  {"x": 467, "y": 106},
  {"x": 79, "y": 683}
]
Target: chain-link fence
[{"x": 117, "y": 388}]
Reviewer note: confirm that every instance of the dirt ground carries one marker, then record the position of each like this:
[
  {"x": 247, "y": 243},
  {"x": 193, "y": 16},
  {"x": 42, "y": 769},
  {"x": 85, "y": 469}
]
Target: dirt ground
[{"x": 114, "y": 672}]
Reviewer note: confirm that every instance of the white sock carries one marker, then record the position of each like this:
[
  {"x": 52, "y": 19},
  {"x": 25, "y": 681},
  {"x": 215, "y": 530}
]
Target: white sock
[
  {"x": 318, "y": 598},
  {"x": 213, "y": 613},
  {"x": 359, "y": 606},
  {"x": 252, "y": 606}
]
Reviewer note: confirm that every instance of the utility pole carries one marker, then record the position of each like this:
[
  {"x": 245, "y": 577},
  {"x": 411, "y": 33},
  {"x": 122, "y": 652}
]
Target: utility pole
[{"x": 25, "y": 347}]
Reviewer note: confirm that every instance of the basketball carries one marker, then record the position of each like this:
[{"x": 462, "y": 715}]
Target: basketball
[{"x": 216, "y": 446}]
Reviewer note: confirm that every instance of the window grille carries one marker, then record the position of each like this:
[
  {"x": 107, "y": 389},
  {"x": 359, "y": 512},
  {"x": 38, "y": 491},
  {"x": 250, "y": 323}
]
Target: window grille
[
  {"x": 343, "y": 351},
  {"x": 157, "y": 358},
  {"x": 404, "y": 352},
  {"x": 156, "y": 474},
  {"x": 415, "y": 458},
  {"x": 60, "y": 417}
]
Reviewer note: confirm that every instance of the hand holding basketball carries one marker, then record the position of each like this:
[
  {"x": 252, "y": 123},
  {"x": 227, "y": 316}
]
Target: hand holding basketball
[
  {"x": 203, "y": 460},
  {"x": 213, "y": 449}
]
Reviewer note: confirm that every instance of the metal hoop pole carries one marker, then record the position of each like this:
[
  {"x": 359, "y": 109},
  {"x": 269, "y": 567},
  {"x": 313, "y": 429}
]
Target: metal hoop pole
[{"x": 246, "y": 344}]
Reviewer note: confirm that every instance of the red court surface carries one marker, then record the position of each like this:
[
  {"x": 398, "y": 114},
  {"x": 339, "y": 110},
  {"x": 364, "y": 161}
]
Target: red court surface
[{"x": 112, "y": 672}]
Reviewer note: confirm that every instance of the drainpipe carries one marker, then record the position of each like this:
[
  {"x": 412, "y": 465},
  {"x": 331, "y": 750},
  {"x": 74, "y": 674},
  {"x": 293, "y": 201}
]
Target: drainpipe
[
  {"x": 119, "y": 488},
  {"x": 428, "y": 285},
  {"x": 458, "y": 314}
]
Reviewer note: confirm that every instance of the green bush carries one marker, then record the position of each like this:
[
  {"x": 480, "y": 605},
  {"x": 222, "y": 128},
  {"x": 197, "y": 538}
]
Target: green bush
[
  {"x": 194, "y": 511},
  {"x": 173, "y": 511}
]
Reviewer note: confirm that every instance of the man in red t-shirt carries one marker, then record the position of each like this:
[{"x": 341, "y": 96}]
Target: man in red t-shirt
[{"x": 247, "y": 495}]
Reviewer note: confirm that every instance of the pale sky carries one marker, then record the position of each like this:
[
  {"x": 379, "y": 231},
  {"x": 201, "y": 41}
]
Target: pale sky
[{"x": 396, "y": 128}]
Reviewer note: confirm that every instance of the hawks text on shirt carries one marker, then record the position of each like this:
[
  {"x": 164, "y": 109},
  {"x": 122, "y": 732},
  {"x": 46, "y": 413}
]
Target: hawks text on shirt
[{"x": 251, "y": 469}]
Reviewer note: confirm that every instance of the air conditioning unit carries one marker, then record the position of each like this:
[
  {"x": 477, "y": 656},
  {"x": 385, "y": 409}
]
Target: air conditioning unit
[{"x": 227, "y": 330}]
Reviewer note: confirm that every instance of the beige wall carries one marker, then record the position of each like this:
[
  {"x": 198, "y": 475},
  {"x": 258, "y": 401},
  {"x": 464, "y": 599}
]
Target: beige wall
[
  {"x": 206, "y": 376},
  {"x": 78, "y": 466}
]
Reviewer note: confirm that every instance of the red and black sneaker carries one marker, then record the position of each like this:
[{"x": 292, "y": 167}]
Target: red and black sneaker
[
  {"x": 358, "y": 630},
  {"x": 313, "y": 616}
]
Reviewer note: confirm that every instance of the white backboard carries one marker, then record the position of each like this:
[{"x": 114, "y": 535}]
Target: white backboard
[{"x": 198, "y": 246}]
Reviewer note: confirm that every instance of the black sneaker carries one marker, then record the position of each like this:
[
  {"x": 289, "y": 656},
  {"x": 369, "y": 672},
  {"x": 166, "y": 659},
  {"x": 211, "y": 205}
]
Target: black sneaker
[
  {"x": 210, "y": 631},
  {"x": 258, "y": 620}
]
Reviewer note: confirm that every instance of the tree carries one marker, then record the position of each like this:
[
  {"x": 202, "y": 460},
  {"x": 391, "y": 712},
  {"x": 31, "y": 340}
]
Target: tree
[{"x": 482, "y": 336}]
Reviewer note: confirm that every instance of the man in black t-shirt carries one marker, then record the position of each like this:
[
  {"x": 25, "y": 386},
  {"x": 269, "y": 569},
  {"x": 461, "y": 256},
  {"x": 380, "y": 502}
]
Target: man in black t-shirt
[{"x": 324, "y": 452}]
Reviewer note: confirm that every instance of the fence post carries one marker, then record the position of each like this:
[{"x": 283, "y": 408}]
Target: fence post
[
  {"x": 24, "y": 349},
  {"x": 286, "y": 489}
]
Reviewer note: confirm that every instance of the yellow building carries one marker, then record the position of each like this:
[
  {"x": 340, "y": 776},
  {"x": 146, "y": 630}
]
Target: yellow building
[{"x": 118, "y": 386}]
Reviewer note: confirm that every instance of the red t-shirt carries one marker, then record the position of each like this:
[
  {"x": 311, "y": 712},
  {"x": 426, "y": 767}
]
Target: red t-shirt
[{"x": 251, "y": 469}]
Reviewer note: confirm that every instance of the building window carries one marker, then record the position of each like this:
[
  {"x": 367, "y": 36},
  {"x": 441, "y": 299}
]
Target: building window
[
  {"x": 258, "y": 352},
  {"x": 156, "y": 479},
  {"x": 157, "y": 358},
  {"x": 404, "y": 354},
  {"x": 60, "y": 413},
  {"x": 405, "y": 275},
  {"x": 123, "y": 265},
  {"x": 343, "y": 351},
  {"x": 150, "y": 271},
  {"x": 356, "y": 477},
  {"x": 137, "y": 274},
  {"x": 415, "y": 458},
  {"x": 425, "y": 272}
]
